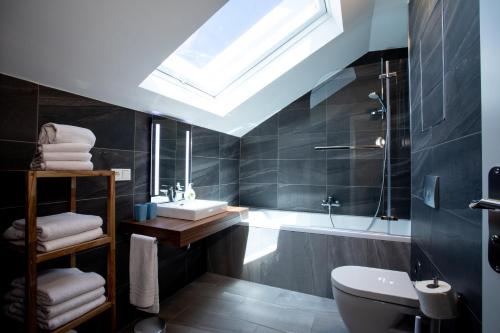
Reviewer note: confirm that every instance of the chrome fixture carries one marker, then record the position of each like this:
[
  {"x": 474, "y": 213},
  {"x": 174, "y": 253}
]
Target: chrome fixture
[
  {"x": 375, "y": 146},
  {"x": 386, "y": 144},
  {"x": 330, "y": 202}
]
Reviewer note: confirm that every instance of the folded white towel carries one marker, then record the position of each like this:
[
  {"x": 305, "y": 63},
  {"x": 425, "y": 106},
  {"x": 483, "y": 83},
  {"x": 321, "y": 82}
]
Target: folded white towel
[
  {"x": 57, "y": 133},
  {"x": 64, "y": 148},
  {"x": 58, "y": 285},
  {"x": 60, "y": 320},
  {"x": 16, "y": 303},
  {"x": 64, "y": 165},
  {"x": 53, "y": 156},
  {"x": 59, "y": 243},
  {"x": 143, "y": 270},
  {"x": 55, "y": 226}
]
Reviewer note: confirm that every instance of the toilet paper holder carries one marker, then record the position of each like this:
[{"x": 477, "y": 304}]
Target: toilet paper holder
[{"x": 492, "y": 204}]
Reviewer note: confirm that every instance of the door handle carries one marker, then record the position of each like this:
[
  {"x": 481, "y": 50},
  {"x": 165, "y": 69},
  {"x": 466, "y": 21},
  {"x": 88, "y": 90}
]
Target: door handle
[{"x": 489, "y": 204}]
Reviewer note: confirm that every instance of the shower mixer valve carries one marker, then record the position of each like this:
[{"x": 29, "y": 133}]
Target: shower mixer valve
[{"x": 330, "y": 202}]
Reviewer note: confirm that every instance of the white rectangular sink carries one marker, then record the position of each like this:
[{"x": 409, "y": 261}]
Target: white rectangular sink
[{"x": 191, "y": 209}]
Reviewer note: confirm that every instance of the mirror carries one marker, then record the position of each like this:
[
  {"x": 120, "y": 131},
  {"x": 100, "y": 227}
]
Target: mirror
[{"x": 170, "y": 157}]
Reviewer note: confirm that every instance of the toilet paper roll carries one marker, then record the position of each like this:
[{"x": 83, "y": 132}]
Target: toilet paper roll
[{"x": 437, "y": 302}]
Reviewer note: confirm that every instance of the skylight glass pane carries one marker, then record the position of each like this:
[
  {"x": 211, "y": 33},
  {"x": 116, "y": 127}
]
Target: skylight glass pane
[{"x": 236, "y": 38}]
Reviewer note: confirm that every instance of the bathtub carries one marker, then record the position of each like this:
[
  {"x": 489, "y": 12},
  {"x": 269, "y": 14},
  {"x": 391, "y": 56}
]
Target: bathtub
[
  {"x": 297, "y": 250},
  {"x": 345, "y": 225}
]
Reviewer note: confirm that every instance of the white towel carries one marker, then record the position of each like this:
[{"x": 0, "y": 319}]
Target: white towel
[
  {"x": 59, "y": 243},
  {"x": 58, "y": 285},
  {"x": 57, "y": 133},
  {"x": 143, "y": 269},
  {"x": 66, "y": 156},
  {"x": 56, "y": 226},
  {"x": 62, "y": 319},
  {"x": 48, "y": 312},
  {"x": 63, "y": 165},
  {"x": 64, "y": 148}
]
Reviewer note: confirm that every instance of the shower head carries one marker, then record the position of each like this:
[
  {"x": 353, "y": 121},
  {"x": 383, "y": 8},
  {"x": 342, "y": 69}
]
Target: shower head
[{"x": 374, "y": 95}]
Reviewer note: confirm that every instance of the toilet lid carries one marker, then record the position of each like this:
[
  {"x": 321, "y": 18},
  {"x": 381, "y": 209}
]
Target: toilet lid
[{"x": 377, "y": 284}]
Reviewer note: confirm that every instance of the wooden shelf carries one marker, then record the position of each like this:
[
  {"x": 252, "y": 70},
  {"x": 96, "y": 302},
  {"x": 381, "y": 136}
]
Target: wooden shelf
[
  {"x": 80, "y": 320},
  {"x": 183, "y": 232},
  {"x": 44, "y": 256},
  {"x": 33, "y": 257},
  {"x": 67, "y": 173}
]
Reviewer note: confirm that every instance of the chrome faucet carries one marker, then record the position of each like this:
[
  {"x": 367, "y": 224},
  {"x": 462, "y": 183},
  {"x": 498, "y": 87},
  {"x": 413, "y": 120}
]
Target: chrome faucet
[{"x": 330, "y": 202}]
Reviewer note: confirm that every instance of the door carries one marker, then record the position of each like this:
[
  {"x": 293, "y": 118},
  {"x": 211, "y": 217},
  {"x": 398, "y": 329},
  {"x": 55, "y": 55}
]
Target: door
[{"x": 490, "y": 114}]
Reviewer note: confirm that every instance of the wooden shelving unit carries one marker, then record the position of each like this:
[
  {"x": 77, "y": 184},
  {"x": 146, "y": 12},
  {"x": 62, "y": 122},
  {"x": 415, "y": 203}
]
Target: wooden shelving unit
[{"x": 33, "y": 258}]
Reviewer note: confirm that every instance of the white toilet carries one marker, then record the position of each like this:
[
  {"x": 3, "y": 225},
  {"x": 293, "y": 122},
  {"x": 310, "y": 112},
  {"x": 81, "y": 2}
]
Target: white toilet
[{"x": 373, "y": 300}]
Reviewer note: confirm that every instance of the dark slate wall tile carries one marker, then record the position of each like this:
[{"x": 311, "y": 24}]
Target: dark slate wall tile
[
  {"x": 458, "y": 164},
  {"x": 355, "y": 172},
  {"x": 268, "y": 127},
  {"x": 142, "y": 132},
  {"x": 142, "y": 172},
  {"x": 292, "y": 120},
  {"x": 16, "y": 155},
  {"x": 205, "y": 142},
  {"x": 105, "y": 159},
  {"x": 448, "y": 238},
  {"x": 307, "y": 172},
  {"x": 207, "y": 192},
  {"x": 258, "y": 195},
  {"x": 301, "y": 197},
  {"x": 301, "y": 146},
  {"x": 18, "y": 106},
  {"x": 229, "y": 146},
  {"x": 205, "y": 171},
  {"x": 168, "y": 168},
  {"x": 230, "y": 193},
  {"x": 259, "y": 147},
  {"x": 229, "y": 171},
  {"x": 259, "y": 171},
  {"x": 355, "y": 200}
]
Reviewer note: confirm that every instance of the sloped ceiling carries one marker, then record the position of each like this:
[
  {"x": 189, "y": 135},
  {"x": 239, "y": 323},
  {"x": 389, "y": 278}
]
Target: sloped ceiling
[{"x": 105, "y": 49}]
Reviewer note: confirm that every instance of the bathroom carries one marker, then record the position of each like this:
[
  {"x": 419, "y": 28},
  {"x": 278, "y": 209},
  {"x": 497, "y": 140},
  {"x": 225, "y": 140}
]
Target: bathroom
[{"x": 348, "y": 157}]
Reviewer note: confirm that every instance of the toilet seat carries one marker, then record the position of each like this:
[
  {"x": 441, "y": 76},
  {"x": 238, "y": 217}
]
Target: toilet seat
[{"x": 376, "y": 284}]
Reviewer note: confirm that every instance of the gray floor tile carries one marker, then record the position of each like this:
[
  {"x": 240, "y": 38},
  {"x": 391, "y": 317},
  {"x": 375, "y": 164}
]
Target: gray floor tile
[
  {"x": 275, "y": 316},
  {"x": 216, "y": 303}
]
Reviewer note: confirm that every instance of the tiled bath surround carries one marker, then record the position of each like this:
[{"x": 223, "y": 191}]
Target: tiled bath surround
[
  {"x": 123, "y": 141},
  {"x": 298, "y": 261},
  {"x": 445, "y": 80},
  {"x": 280, "y": 169}
]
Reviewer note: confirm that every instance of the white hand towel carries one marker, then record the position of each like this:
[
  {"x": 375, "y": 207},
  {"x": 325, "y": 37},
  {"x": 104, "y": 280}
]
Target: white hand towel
[
  {"x": 53, "y": 156},
  {"x": 48, "y": 312},
  {"x": 60, "y": 320},
  {"x": 63, "y": 165},
  {"x": 59, "y": 243},
  {"x": 57, "y": 133},
  {"x": 57, "y": 226},
  {"x": 64, "y": 148},
  {"x": 143, "y": 269},
  {"x": 61, "y": 284}
]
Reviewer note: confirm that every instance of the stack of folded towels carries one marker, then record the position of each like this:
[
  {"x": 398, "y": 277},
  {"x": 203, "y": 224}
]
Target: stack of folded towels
[
  {"x": 63, "y": 147},
  {"x": 63, "y": 294},
  {"x": 57, "y": 231}
]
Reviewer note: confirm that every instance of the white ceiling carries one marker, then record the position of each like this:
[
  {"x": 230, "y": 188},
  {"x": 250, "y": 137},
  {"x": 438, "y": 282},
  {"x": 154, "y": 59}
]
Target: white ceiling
[{"x": 105, "y": 49}]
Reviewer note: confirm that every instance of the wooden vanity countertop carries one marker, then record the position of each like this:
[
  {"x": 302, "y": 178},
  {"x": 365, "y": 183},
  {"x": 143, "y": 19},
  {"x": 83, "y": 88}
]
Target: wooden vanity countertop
[{"x": 183, "y": 232}]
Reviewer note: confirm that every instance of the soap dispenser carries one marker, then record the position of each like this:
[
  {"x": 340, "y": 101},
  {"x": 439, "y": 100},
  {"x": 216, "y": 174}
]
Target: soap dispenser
[{"x": 190, "y": 194}]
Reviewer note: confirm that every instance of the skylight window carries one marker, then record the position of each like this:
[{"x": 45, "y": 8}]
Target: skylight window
[{"x": 236, "y": 39}]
